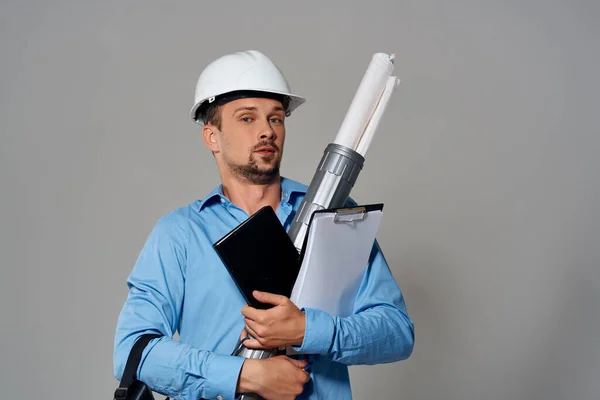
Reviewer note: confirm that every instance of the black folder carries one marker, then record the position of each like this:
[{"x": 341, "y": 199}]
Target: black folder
[{"x": 260, "y": 255}]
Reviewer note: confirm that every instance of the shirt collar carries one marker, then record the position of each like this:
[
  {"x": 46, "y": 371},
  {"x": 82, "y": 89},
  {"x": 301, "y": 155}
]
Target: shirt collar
[{"x": 288, "y": 187}]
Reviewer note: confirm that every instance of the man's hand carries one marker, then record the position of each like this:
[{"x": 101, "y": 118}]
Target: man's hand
[
  {"x": 278, "y": 377},
  {"x": 280, "y": 326}
]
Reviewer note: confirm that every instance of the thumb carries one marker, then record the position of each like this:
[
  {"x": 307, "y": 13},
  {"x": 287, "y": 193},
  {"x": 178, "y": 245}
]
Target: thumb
[
  {"x": 298, "y": 363},
  {"x": 269, "y": 298}
]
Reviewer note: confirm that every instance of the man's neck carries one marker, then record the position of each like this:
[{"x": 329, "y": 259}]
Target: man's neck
[{"x": 250, "y": 197}]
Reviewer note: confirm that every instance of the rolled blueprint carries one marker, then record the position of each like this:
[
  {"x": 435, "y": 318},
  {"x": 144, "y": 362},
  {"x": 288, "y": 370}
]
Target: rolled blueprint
[
  {"x": 341, "y": 163},
  {"x": 365, "y": 100},
  {"x": 367, "y": 137}
]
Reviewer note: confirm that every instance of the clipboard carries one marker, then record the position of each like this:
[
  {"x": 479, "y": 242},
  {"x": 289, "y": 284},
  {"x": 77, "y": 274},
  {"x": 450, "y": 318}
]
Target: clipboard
[
  {"x": 334, "y": 257},
  {"x": 351, "y": 214}
]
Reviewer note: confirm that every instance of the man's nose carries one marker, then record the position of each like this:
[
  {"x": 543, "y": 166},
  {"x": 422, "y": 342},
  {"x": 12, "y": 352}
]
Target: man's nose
[{"x": 266, "y": 131}]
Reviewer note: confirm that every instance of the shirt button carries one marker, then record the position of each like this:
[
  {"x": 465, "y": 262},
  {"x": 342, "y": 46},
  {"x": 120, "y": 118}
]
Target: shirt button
[{"x": 219, "y": 397}]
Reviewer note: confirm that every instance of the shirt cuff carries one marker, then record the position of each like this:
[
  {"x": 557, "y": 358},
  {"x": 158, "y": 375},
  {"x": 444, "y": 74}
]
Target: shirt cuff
[
  {"x": 222, "y": 376},
  {"x": 318, "y": 334}
]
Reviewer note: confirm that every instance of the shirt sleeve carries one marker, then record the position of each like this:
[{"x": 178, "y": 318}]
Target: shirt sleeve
[
  {"x": 153, "y": 305},
  {"x": 379, "y": 331}
]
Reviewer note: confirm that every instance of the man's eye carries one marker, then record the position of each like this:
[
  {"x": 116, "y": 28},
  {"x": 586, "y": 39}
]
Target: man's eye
[
  {"x": 276, "y": 120},
  {"x": 247, "y": 119}
]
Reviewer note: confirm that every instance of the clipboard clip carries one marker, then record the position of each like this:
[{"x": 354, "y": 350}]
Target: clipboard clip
[{"x": 350, "y": 215}]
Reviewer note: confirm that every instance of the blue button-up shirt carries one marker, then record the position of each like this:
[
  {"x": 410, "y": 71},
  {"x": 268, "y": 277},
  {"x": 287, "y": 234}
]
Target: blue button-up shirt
[{"x": 179, "y": 284}]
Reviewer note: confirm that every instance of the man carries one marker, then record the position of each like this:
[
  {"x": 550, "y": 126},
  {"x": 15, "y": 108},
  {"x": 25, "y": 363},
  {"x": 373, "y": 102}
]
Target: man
[{"x": 179, "y": 284}]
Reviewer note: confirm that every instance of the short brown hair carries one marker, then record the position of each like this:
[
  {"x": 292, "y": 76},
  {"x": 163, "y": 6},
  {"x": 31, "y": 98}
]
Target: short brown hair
[{"x": 212, "y": 115}]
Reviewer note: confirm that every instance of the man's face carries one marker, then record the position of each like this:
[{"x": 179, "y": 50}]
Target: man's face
[{"x": 251, "y": 138}]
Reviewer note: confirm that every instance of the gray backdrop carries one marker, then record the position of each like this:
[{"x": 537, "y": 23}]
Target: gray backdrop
[{"x": 486, "y": 160}]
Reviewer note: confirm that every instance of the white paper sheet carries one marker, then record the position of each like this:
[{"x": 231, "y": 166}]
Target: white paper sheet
[
  {"x": 334, "y": 263},
  {"x": 365, "y": 141}
]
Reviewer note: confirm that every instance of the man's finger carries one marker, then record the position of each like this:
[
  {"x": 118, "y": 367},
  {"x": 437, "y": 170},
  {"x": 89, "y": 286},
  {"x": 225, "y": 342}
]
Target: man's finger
[
  {"x": 253, "y": 344},
  {"x": 252, "y": 333},
  {"x": 306, "y": 376},
  {"x": 252, "y": 313},
  {"x": 298, "y": 363},
  {"x": 269, "y": 298},
  {"x": 248, "y": 323}
]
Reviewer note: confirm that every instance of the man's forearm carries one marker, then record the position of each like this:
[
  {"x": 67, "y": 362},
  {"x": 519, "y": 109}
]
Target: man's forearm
[
  {"x": 182, "y": 371},
  {"x": 378, "y": 335},
  {"x": 248, "y": 378}
]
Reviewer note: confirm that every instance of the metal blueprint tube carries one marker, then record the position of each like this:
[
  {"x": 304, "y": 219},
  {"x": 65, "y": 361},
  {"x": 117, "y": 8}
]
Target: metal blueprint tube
[{"x": 330, "y": 186}]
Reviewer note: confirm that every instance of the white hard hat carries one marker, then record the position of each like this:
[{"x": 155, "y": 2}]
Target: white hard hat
[{"x": 244, "y": 72}]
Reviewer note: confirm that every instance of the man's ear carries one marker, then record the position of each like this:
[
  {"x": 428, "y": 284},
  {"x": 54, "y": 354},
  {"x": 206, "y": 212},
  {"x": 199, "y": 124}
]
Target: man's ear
[{"x": 209, "y": 135}]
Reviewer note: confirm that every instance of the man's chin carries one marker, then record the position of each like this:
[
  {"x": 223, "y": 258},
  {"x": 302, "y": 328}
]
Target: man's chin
[
  {"x": 257, "y": 174},
  {"x": 265, "y": 178},
  {"x": 272, "y": 172},
  {"x": 266, "y": 166},
  {"x": 267, "y": 160}
]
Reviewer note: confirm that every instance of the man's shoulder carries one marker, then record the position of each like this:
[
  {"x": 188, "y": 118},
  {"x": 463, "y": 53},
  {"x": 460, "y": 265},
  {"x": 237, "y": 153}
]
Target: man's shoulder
[{"x": 176, "y": 219}]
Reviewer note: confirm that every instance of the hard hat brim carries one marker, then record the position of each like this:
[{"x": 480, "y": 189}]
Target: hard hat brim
[{"x": 295, "y": 102}]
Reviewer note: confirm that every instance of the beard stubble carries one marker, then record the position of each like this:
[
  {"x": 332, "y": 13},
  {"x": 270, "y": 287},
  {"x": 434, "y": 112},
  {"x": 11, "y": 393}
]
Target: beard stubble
[{"x": 252, "y": 172}]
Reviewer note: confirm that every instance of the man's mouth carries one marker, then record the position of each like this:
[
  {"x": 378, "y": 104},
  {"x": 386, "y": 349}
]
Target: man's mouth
[{"x": 266, "y": 150}]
